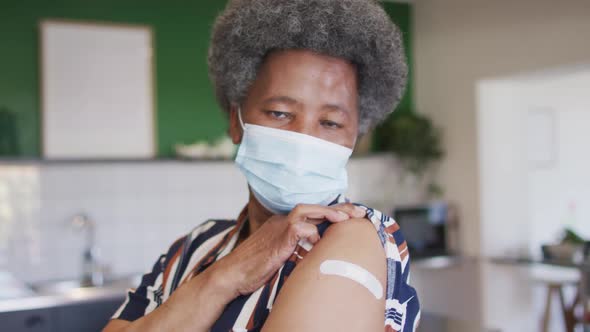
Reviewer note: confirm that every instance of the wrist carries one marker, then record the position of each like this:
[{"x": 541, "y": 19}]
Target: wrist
[{"x": 221, "y": 280}]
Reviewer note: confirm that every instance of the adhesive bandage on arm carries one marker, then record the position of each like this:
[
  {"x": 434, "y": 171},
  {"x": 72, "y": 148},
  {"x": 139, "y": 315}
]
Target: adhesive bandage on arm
[{"x": 353, "y": 272}]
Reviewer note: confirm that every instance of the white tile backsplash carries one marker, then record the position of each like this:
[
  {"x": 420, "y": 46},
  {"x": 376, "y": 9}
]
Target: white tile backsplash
[{"x": 139, "y": 209}]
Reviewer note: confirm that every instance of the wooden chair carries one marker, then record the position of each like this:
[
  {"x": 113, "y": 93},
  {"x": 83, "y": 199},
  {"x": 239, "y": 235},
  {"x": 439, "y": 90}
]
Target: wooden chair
[
  {"x": 572, "y": 315},
  {"x": 554, "y": 288},
  {"x": 555, "y": 279}
]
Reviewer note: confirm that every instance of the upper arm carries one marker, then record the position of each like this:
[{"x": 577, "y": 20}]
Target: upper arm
[{"x": 312, "y": 301}]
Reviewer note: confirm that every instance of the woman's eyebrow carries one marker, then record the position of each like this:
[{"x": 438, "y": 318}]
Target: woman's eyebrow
[
  {"x": 336, "y": 108},
  {"x": 280, "y": 99}
]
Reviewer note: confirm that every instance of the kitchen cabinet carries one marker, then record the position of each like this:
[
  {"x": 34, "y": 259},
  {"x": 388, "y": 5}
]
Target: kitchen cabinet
[
  {"x": 79, "y": 317},
  {"x": 37, "y": 320}
]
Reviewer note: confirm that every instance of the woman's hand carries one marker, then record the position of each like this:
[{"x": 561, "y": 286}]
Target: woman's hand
[{"x": 254, "y": 261}]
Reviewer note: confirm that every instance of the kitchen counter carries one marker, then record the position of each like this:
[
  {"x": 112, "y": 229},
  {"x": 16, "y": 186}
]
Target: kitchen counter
[
  {"x": 437, "y": 323},
  {"x": 62, "y": 306},
  {"x": 74, "y": 296}
]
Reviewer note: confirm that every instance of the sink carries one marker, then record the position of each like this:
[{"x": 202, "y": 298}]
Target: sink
[
  {"x": 11, "y": 287},
  {"x": 76, "y": 286}
]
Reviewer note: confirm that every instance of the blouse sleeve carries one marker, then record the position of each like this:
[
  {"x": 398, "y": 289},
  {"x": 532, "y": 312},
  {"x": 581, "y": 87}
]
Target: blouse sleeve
[
  {"x": 149, "y": 295},
  {"x": 402, "y": 308}
]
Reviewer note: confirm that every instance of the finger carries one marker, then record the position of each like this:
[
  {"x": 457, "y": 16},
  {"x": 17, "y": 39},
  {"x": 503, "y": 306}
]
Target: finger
[
  {"x": 350, "y": 209},
  {"x": 317, "y": 214},
  {"x": 309, "y": 212},
  {"x": 307, "y": 231}
]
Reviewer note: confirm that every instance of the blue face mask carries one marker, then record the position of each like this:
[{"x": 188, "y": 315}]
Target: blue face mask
[{"x": 286, "y": 168}]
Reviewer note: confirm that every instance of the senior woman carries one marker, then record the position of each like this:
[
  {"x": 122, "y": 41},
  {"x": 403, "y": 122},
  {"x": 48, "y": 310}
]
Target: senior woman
[{"x": 300, "y": 81}]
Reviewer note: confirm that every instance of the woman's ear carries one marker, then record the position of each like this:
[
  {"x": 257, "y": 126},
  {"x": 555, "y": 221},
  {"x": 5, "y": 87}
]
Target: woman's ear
[{"x": 235, "y": 128}]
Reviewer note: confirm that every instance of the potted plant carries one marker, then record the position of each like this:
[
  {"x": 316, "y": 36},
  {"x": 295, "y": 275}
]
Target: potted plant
[{"x": 416, "y": 143}]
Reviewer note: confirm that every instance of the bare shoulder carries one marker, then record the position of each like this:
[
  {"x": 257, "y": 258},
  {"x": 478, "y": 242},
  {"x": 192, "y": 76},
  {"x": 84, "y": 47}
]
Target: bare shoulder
[
  {"x": 354, "y": 239},
  {"x": 359, "y": 229},
  {"x": 332, "y": 302}
]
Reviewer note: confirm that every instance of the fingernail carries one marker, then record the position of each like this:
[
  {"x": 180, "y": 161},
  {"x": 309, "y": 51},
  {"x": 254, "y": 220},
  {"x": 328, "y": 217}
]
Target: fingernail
[{"x": 359, "y": 211}]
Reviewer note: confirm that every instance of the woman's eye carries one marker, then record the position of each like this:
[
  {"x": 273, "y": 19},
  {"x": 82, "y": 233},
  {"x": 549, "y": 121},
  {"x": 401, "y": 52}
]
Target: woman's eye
[
  {"x": 278, "y": 115},
  {"x": 330, "y": 124}
]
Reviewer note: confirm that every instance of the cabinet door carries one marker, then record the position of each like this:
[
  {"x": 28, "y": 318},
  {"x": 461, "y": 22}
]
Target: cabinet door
[
  {"x": 39, "y": 320},
  {"x": 84, "y": 317}
]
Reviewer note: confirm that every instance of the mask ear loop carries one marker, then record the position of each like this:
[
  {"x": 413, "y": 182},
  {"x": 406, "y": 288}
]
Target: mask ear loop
[{"x": 240, "y": 118}]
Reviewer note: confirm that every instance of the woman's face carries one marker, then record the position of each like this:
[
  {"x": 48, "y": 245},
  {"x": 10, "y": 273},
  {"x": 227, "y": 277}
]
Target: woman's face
[{"x": 305, "y": 92}]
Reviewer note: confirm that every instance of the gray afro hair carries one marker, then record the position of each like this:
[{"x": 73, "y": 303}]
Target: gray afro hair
[{"x": 356, "y": 30}]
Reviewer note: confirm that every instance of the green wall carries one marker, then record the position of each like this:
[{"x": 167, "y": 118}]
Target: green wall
[
  {"x": 401, "y": 14},
  {"x": 186, "y": 107}
]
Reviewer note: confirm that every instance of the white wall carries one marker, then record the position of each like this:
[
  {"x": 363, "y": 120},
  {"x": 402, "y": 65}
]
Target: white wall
[
  {"x": 139, "y": 210},
  {"x": 534, "y": 161},
  {"x": 560, "y": 191}
]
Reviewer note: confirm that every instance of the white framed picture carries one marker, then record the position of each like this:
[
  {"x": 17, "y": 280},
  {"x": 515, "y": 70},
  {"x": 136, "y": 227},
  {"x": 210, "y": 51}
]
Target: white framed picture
[{"x": 97, "y": 90}]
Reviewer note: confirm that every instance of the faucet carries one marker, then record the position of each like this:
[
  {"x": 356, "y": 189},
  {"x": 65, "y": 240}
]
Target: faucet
[{"x": 92, "y": 270}]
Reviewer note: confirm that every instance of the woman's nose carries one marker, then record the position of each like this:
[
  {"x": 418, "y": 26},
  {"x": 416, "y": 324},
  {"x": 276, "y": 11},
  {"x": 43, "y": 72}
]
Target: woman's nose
[{"x": 303, "y": 125}]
